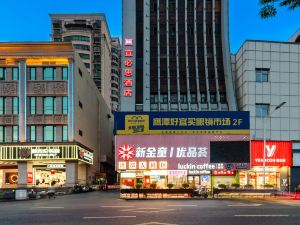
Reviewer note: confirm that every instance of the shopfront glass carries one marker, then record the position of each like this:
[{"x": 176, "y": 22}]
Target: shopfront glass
[{"x": 49, "y": 178}]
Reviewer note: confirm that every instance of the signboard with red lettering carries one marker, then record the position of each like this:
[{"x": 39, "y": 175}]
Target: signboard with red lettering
[{"x": 278, "y": 153}]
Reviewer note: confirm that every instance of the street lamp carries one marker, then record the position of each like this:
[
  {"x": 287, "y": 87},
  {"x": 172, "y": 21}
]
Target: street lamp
[{"x": 264, "y": 123}]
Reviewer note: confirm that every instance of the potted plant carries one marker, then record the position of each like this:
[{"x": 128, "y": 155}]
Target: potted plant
[
  {"x": 222, "y": 186},
  {"x": 170, "y": 186},
  {"x": 138, "y": 186},
  {"x": 153, "y": 185},
  {"x": 268, "y": 186},
  {"x": 248, "y": 186},
  {"x": 235, "y": 185},
  {"x": 185, "y": 185}
]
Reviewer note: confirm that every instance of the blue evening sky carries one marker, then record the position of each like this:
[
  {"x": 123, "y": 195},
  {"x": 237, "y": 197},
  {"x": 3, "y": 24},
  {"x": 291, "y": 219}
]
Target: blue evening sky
[{"x": 28, "y": 20}]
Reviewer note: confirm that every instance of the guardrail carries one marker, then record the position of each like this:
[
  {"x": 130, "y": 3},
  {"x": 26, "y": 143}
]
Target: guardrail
[{"x": 155, "y": 193}]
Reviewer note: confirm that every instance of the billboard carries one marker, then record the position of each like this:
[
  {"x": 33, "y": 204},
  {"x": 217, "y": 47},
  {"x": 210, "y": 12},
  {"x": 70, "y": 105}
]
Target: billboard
[
  {"x": 181, "y": 123},
  {"x": 278, "y": 153},
  {"x": 169, "y": 152}
]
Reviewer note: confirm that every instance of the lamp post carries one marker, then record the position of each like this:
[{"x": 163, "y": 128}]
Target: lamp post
[{"x": 264, "y": 125}]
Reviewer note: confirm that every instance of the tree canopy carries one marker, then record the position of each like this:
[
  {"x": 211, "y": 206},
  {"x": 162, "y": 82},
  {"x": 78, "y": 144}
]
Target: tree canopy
[{"x": 269, "y": 7}]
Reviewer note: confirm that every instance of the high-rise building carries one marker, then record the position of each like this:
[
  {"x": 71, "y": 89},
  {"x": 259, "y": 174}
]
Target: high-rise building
[
  {"x": 115, "y": 73},
  {"x": 49, "y": 136},
  {"x": 176, "y": 56},
  {"x": 91, "y": 38}
]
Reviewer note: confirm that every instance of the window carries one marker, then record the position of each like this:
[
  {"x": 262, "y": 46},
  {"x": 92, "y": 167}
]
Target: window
[
  {"x": 15, "y": 134},
  {"x": 262, "y": 110},
  {"x": 193, "y": 98},
  {"x": 76, "y": 38},
  {"x": 65, "y": 134},
  {"x": 223, "y": 98},
  {"x": 65, "y": 73},
  {"x": 213, "y": 98},
  {"x": 153, "y": 99},
  {"x": 49, "y": 105},
  {"x": 49, "y": 73},
  {"x": 15, "y": 73},
  {"x": 80, "y": 133},
  {"x": 262, "y": 75},
  {"x": 183, "y": 99},
  {"x": 203, "y": 98},
  {"x": 80, "y": 72},
  {"x": 114, "y": 85},
  {"x": 87, "y": 65},
  {"x": 32, "y": 73},
  {"x": 2, "y": 105},
  {"x": 32, "y": 133},
  {"x": 80, "y": 104},
  {"x": 65, "y": 105},
  {"x": 82, "y": 47},
  {"x": 49, "y": 133},
  {"x": 32, "y": 105},
  {"x": 2, "y": 73},
  {"x": 84, "y": 56},
  {"x": 15, "y": 105},
  {"x": 2, "y": 134}
]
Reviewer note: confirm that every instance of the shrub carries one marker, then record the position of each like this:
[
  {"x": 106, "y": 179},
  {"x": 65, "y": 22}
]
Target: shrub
[
  {"x": 138, "y": 185},
  {"x": 170, "y": 186},
  {"x": 153, "y": 185},
  {"x": 185, "y": 185},
  {"x": 235, "y": 185},
  {"x": 248, "y": 186},
  {"x": 222, "y": 186},
  {"x": 269, "y": 186}
]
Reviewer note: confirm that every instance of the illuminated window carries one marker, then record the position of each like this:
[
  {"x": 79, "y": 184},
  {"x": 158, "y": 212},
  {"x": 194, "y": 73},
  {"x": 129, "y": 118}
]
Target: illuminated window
[
  {"x": 65, "y": 73},
  {"x": 49, "y": 73},
  {"x": 49, "y": 133},
  {"x": 15, "y": 73},
  {"x": 2, "y": 73},
  {"x": 32, "y": 73},
  {"x": 49, "y": 105}
]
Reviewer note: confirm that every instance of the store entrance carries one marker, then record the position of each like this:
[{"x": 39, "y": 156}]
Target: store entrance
[
  {"x": 44, "y": 177},
  {"x": 199, "y": 181}
]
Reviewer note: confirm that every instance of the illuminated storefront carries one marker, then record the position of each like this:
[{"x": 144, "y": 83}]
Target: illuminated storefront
[
  {"x": 278, "y": 163},
  {"x": 43, "y": 165}
]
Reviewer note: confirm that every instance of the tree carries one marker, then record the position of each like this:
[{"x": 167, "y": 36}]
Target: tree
[{"x": 269, "y": 7}]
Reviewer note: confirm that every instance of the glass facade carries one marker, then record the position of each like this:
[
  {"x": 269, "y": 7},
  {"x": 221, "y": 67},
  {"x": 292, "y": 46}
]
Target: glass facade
[
  {"x": 49, "y": 73},
  {"x": 49, "y": 133},
  {"x": 49, "y": 105}
]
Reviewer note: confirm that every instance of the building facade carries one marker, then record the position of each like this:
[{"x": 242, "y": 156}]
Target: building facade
[
  {"x": 176, "y": 56},
  {"x": 115, "y": 73},
  {"x": 49, "y": 136},
  {"x": 267, "y": 74},
  {"x": 91, "y": 38}
]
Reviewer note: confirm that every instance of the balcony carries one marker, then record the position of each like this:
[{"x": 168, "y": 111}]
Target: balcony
[
  {"x": 9, "y": 120},
  {"x": 8, "y": 88},
  {"x": 47, "y": 88},
  {"x": 59, "y": 119}
]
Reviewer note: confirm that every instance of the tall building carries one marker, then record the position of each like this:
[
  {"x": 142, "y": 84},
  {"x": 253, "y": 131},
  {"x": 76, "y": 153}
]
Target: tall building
[
  {"x": 115, "y": 73},
  {"x": 91, "y": 38},
  {"x": 49, "y": 136},
  {"x": 176, "y": 56}
]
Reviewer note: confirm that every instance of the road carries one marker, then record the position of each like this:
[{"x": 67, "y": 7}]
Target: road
[{"x": 104, "y": 208}]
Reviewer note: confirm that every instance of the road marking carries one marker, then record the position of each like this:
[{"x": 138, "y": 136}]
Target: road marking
[
  {"x": 182, "y": 205},
  {"x": 156, "y": 223},
  {"x": 106, "y": 217},
  {"x": 116, "y": 206},
  {"x": 147, "y": 210},
  {"x": 245, "y": 205},
  {"x": 49, "y": 207},
  {"x": 261, "y": 215}
]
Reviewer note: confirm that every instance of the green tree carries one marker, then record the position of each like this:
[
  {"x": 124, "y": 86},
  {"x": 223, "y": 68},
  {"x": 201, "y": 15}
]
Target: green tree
[{"x": 269, "y": 7}]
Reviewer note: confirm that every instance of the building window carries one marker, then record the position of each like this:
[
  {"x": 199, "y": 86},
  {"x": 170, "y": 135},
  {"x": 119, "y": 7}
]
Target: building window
[
  {"x": 15, "y": 134},
  {"x": 65, "y": 134},
  {"x": 76, "y": 38},
  {"x": 154, "y": 99},
  {"x": 80, "y": 72},
  {"x": 262, "y": 110},
  {"x": 2, "y": 105},
  {"x": 49, "y": 105},
  {"x": 87, "y": 65},
  {"x": 65, "y": 104},
  {"x": 183, "y": 99},
  {"x": 65, "y": 73},
  {"x": 84, "y": 56},
  {"x": 203, "y": 98},
  {"x": 80, "y": 104},
  {"x": 32, "y": 105},
  {"x": 15, "y": 73},
  {"x": 32, "y": 133},
  {"x": 193, "y": 98},
  {"x": 32, "y": 73},
  {"x": 49, "y": 73},
  {"x": 213, "y": 98},
  {"x": 80, "y": 133},
  {"x": 49, "y": 133},
  {"x": 15, "y": 105},
  {"x": 2, "y": 73},
  {"x": 2, "y": 134},
  {"x": 82, "y": 47},
  {"x": 223, "y": 98},
  {"x": 262, "y": 75}
]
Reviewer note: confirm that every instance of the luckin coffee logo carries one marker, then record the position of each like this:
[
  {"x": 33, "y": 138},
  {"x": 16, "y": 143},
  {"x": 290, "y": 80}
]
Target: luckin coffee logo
[{"x": 270, "y": 150}]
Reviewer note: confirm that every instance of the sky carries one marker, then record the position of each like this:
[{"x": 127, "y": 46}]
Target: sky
[{"x": 28, "y": 20}]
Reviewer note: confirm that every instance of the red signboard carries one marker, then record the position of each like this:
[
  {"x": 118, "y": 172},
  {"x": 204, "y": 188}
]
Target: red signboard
[
  {"x": 224, "y": 173},
  {"x": 278, "y": 153}
]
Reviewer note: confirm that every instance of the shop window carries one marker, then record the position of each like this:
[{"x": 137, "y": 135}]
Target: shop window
[
  {"x": 15, "y": 73},
  {"x": 49, "y": 73},
  {"x": 262, "y": 110},
  {"x": 49, "y": 105}
]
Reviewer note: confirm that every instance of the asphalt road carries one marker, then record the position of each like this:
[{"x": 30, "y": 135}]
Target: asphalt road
[{"x": 100, "y": 208}]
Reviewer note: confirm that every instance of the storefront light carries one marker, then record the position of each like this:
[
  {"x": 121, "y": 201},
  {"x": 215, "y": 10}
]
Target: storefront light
[
  {"x": 156, "y": 173},
  {"x": 128, "y": 175}
]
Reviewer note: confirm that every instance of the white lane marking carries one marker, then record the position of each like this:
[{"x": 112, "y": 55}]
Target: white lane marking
[
  {"x": 182, "y": 205},
  {"x": 49, "y": 207},
  {"x": 261, "y": 215},
  {"x": 245, "y": 205},
  {"x": 116, "y": 206},
  {"x": 153, "y": 223},
  {"x": 106, "y": 217}
]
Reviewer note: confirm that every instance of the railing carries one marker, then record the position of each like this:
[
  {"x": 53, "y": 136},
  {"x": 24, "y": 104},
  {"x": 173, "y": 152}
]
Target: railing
[{"x": 155, "y": 193}]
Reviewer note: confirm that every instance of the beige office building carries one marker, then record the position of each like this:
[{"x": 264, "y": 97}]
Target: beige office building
[
  {"x": 55, "y": 127},
  {"x": 91, "y": 38}
]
